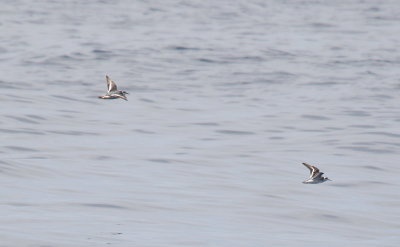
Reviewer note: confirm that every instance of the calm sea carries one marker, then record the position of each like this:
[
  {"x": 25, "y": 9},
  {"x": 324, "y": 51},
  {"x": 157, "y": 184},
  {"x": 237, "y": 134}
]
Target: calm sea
[{"x": 227, "y": 99}]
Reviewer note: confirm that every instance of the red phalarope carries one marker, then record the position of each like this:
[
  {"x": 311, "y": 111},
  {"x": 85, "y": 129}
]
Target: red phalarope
[
  {"x": 315, "y": 175},
  {"x": 112, "y": 91}
]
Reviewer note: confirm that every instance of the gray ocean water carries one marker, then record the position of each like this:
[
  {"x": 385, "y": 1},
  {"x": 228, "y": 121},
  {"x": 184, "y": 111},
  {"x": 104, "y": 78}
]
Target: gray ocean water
[{"x": 227, "y": 98}]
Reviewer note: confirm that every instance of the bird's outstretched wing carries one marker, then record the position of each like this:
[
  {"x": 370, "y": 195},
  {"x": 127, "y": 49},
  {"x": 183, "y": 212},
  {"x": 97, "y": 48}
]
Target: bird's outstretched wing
[
  {"x": 111, "y": 86},
  {"x": 313, "y": 170}
]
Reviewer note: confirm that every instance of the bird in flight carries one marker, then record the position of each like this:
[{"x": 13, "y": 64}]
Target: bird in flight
[
  {"x": 315, "y": 175},
  {"x": 112, "y": 91}
]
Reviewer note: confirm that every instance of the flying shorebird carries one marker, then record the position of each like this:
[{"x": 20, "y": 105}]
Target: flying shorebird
[
  {"x": 315, "y": 175},
  {"x": 112, "y": 91}
]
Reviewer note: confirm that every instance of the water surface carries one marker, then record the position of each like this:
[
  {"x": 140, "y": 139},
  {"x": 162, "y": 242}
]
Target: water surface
[{"x": 226, "y": 100}]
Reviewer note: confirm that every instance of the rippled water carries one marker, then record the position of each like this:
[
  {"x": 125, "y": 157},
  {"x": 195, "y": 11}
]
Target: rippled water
[{"x": 227, "y": 98}]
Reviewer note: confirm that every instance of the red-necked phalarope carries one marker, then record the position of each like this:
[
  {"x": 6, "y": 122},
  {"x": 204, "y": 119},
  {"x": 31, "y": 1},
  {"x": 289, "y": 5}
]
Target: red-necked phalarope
[
  {"x": 113, "y": 92},
  {"x": 315, "y": 175}
]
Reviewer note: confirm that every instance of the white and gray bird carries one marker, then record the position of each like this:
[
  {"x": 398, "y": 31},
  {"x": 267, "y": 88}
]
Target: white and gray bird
[
  {"x": 112, "y": 91},
  {"x": 315, "y": 175}
]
